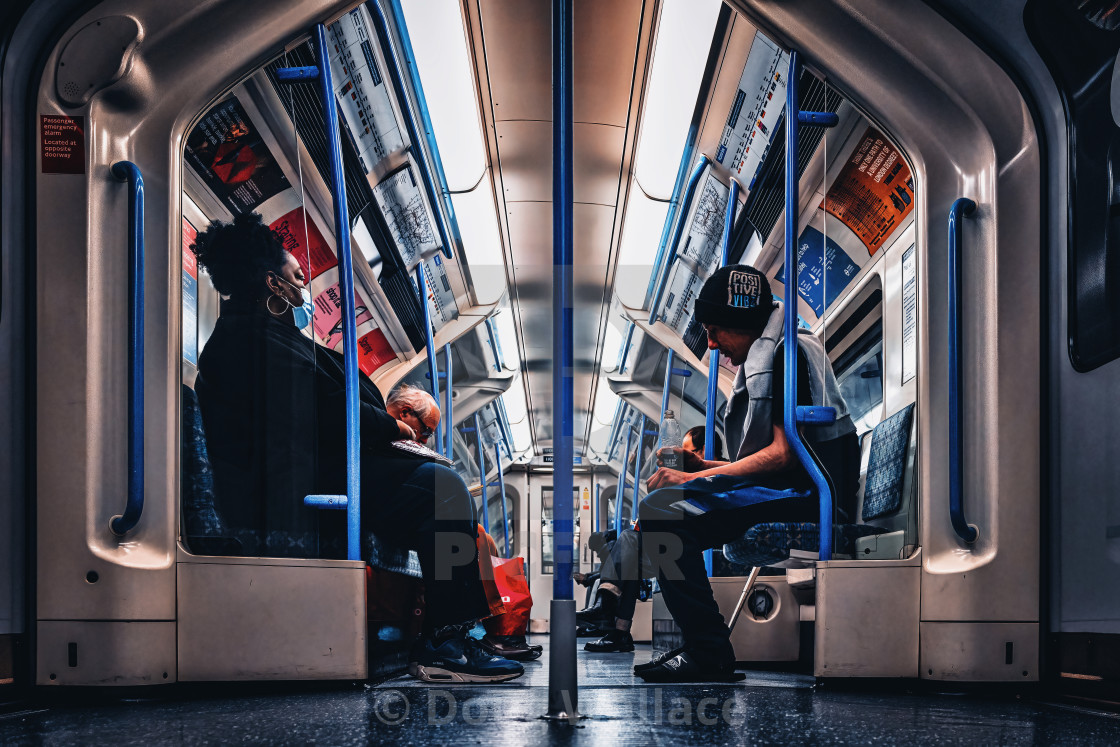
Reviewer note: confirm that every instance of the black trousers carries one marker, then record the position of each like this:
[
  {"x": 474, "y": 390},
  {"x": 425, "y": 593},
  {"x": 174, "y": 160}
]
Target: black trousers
[
  {"x": 624, "y": 569},
  {"x": 679, "y": 523},
  {"x": 432, "y": 513}
]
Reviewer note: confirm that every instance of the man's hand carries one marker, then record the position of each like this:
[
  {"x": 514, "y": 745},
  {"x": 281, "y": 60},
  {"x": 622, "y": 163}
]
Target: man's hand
[
  {"x": 687, "y": 461},
  {"x": 406, "y": 431},
  {"x": 665, "y": 477}
]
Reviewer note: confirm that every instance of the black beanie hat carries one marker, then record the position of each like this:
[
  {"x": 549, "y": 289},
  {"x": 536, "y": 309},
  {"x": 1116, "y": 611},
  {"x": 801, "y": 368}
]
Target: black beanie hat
[{"x": 735, "y": 296}]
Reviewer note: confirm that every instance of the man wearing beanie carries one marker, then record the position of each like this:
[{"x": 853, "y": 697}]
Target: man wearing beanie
[{"x": 705, "y": 505}]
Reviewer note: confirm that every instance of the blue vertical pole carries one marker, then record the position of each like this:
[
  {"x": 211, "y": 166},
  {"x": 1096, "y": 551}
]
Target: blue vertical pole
[
  {"x": 482, "y": 476},
  {"x": 620, "y": 491},
  {"x": 793, "y": 114},
  {"x": 449, "y": 417},
  {"x": 429, "y": 344},
  {"x": 346, "y": 279},
  {"x": 563, "y": 689},
  {"x": 637, "y": 468},
  {"x": 665, "y": 388},
  {"x": 502, "y": 489},
  {"x": 562, "y": 344}
]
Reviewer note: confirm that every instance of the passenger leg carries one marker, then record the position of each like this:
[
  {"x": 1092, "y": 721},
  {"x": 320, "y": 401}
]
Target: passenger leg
[
  {"x": 676, "y": 531},
  {"x": 432, "y": 513}
]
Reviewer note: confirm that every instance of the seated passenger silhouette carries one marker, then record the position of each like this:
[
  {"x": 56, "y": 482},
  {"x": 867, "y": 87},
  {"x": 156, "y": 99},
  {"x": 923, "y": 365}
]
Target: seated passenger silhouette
[
  {"x": 273, "y": 405},
  {"x": 620, "y": 579},
  {"x": 705, "y": 505}
]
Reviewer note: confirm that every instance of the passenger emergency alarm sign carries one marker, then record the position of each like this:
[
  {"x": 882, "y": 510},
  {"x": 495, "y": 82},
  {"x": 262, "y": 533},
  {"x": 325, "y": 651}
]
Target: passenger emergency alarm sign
[{"x": 63, "y": 149}]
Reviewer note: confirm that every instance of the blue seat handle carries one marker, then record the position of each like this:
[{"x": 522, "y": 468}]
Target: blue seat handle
[
  {"x": 961, "y": 208},
  {"x": 121, "y": 524}
]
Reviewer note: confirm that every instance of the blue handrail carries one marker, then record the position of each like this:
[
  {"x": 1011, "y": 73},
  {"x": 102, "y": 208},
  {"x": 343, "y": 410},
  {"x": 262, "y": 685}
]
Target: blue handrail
[
  {"x": 449, "y": 415},
  {"x": 123, "y": 523},
  {"x": 678, "y": 228},
  {"x": 429, "y": 343},
  {"x": 624, "y": 351},
  {"x": 637, "y": 470},
  {"x": 667, "y": 386},
  {"x": 794, "y": 117},
  {"x": 382, "y": 25},
  {"x": 346, "y": 280},
  {"x": 502, "y": 486},
  {"x": 713, "y": 355},
  {"x": 495, "y": 346},
  {"x": 962, "y": 208},
  {"x": 620, "y": 491},
  {"x": 563, "y": 397},
  {"x": 674, "y": 202},
  {"x": 482, "y": 475}
]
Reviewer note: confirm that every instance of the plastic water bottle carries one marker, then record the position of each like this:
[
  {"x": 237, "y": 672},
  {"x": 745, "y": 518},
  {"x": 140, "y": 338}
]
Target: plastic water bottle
[{"x": 671, "y": 439}]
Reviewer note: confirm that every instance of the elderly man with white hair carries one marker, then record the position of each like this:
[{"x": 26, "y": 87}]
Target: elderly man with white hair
[{"x": 415, "y": 408}]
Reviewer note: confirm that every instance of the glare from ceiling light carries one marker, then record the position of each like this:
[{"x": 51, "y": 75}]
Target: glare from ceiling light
[
  {"x": 606, "y": 404},
  {"x": 514, "y": 399},
  {"x": 507, "y": 338},
  {"x": 612, "y": 341},
  {"x": 440, "y": 44},
  {"x": 482, "y": 243},
  {"x": 684, "y": 37},
  {"x": 641, "y": 234},
  {"x": 522, "y": 436}
]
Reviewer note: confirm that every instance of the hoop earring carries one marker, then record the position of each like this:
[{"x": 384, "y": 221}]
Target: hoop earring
[{"x": 268, "y": 305}]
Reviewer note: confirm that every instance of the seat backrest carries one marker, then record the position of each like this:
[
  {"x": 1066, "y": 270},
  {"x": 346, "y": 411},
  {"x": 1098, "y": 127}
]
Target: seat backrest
[
  {"x": 885, "y": 483},
  {"x": 203, "y": 528}
]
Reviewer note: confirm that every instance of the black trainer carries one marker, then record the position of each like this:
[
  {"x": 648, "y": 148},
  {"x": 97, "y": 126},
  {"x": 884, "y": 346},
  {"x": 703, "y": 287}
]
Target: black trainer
[
  {"x": 615, "y": 641},
  {"x": 688, "y": 667},
  {"x": 459, "y": 659},
  {"x": 657, "y": 660}
]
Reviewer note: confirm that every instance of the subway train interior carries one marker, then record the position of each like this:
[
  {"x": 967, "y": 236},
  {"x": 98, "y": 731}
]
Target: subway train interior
[{"x": 513, "y": 205}]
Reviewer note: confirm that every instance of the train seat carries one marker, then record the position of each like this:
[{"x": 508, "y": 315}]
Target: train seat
[
  {"x": 795, "y": 544},
  {"x": 206, "y": 533}
]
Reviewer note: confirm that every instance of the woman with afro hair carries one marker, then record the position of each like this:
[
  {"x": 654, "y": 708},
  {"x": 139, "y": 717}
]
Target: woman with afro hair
[{"x": 273, "y": 407}]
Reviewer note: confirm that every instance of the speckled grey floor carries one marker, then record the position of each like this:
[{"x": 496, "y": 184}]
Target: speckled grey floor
[{"x": 766, "y": 708}]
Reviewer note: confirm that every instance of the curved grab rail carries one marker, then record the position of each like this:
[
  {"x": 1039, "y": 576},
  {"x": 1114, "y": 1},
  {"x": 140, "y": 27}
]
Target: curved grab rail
[
  {"x": 449, "y": 429},
  {"x": 678, "y": 228},
  {"x": 790, "y": 416},
  {"x": 961, "y": 208},
  {"x": 620, "y": 491},
  {"x": 123, "y": 523},
  {"x": 380, "y": 21},
  {"x": 502, "y": 488}
]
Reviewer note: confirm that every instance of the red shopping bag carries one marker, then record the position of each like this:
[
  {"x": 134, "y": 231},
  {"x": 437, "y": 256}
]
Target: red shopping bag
[
  {"x": 509, "y": 575},
  {"x": 487, "y": 574}
]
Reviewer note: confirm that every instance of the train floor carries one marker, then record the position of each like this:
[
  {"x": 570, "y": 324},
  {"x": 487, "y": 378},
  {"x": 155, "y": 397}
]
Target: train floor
[{"x": 617, "y": 709}]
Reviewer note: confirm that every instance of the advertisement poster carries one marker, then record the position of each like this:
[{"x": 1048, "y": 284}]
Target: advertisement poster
[
  {"x": 303, "y": 238},
  {"x": 698, "y": 254},
  {"x": 822, "y": 274},
  {"x": 874, "y": 191},
  {"x": 909, "y": 315},
  {"x": 754, "y": 114},
  {"x": 328, "y": 314},
  {"x": 190, "y": 296},
  {"x": 374, "y": 351},
  {"x": 407, "y": 213},
  {"x": 226, "y": 150},
  {"x": 361, "y": 90}
]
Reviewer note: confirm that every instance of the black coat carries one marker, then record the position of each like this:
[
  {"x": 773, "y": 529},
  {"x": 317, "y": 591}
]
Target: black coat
[{"x": 273, "y": 406}]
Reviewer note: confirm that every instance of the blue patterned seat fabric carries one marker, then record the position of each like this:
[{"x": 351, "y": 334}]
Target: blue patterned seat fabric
[
  {"x": 766, "y": 544},
  {"x": 882, "y": 493},
  {"x": 203, "y": 528}
]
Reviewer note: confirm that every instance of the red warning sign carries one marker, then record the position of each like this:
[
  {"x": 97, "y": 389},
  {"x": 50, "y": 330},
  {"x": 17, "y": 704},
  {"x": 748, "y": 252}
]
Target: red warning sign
[{"x": 63, "y": 144}]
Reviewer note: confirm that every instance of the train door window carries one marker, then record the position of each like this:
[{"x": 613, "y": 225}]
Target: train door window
[
  {"x": 860, "y": 376},
  {"x": 494, "y": 513},
  {"x": 547, "y": 528}
]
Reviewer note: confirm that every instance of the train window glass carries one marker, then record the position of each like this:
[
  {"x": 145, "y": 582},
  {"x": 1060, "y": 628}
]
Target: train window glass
[
  {"x": 494, "y": 511},
  {"x": 547, "y": 528},
  {"x": 861, "y": 383}
]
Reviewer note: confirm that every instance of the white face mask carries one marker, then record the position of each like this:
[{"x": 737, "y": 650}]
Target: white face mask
[{"x": 301, "y": 314}]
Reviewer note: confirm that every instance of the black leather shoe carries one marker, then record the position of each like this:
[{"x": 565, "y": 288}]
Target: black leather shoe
[
  {"x": 686, "y": 667},
  {"x": 615, "y": 641},
  {"x": 583, "y": 631}
]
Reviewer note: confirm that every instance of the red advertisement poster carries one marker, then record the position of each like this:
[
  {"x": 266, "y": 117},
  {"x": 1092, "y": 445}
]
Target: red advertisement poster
[
  {"x": 304, "y": 239},
  {"x": 190, "y": 295},
  {"x": 328, "y": 314},
  {"x": 227, "y": 151},
  {"x": 874, "y": 191},
  {"x": 374, "y": 351},
  {"x": 63, "y": 144}
]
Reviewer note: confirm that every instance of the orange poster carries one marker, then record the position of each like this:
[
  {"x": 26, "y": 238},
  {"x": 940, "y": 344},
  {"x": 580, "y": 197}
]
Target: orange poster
[{"x": 874, "y": 191}]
